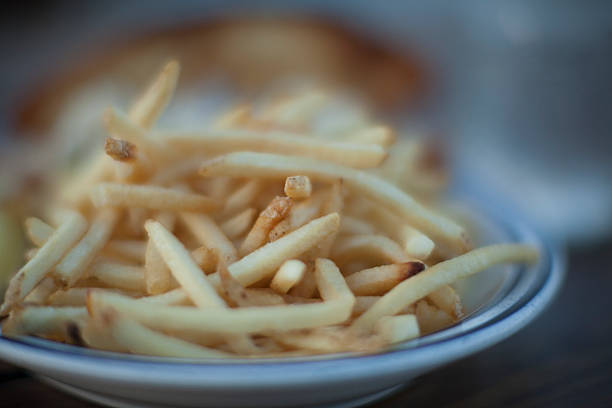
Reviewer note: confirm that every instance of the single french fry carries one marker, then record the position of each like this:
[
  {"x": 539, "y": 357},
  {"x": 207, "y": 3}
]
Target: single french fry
[
  {"x": 288, "y": 275},
  {"x": 298, "y": 187},
  {"x": 432, "y": 319},
  {"x": 210, "y": 235},
  {"x": 447, "y": 300},
  {"x": 118, "y": 124},
  {"x": 300, "y": 213},
  {"x": 331, "y": 283},
  {"x": 242, "y": 197},
  {"x": 222, "y": 141},
  {"x": 139, "y": 339},
  {"x": 262, "y": 262},
  {"x": 264, "y": 297},
  {"x": 157, "y": 273},
  {"x": 119, "y": 276},
  {"x": 156, "y": 97},
  {"x": 225, "y": 320},
  {"x": 132, "y": 250},
  {"x": 174, "y": 297},
  {"x": 151, "y": 197},
  {"x": 38, "y": 231},
  {"x": 74, "y": 264},
  {"x": 42, "y": 321},
  {"x": 274, "y": 213},
  {"x": 380, "y": 279},
  {"x": 62, "y": 239},
  {"x": 373, "y": 246},
  {"x": 443, "y": 273},
  {"x": 395, "y": 329},
  {"x": 183, "y": 267},
  {"x": 384, "y": 193},
  {"x": 239, "y": 224}
]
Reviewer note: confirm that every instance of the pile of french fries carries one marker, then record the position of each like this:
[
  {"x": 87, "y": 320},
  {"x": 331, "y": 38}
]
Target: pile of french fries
[{"x": 258, "y": 236}]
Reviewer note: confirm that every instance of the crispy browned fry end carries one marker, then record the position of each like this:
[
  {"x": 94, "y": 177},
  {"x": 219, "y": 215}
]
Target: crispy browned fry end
[
  {"x": 120, "y": 150},
  {"x": 274, "y": 213}
]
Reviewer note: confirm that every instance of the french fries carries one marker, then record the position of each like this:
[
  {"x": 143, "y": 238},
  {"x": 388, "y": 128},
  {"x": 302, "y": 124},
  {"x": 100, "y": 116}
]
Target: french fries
[{"x": 267, "y": 234}]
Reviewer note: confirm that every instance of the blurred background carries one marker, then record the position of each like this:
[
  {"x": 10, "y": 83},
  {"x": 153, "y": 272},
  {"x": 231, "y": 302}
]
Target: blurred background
[{"x": 519, "y": 91}]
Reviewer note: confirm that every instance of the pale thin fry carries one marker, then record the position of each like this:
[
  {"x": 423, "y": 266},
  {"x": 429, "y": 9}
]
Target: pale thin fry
[
  {"x": 157, "y": 273},
  {"x": 239, "y": 224},
  {"x": 205, "y": 258},
  {"x": 369, "y": 246},
  {"x": 380, "y": 279},
  {"x": 262, "y": 262},
  {"x": 76, "y": 261},
  {"x": 274, "y": 213},
  {"x": 288, "y": 275},
  {"x": 264, "y": 297},
  {"x": 38, "y": 231},
  {"x": 42, "y": 320},
  {"x": 210, "y": 235},
  {"x": 173, "y": 297},
  {"x": 151, "y": 197},
  {"x": 242, "y": 197},
  {"x": 354, "y": 226},
  {"x": 298, "y": 187},
  {"x": 443, "y": 273},
  {"x": 62, "y": 239},
  {"x": 331, "y": 283},
  {"x": 120, "y": 150},
  {"x": 130, "y": 249},
  {"x": 432, "y": 319},
  {"x": 139, "y": 339},
  {"x": 300, "y": 213},
  {"x": 156, "y": 97},
  {"x": 119, "y": 276},
  {"x": 395, "y": 329},
  {"x": 222, "y": 141},
  {"x": 183, "y": 267},
  {"x": 225, "y": 320},
  {"x": 378, "y": 190},
  {"x": 447, "y": 300}
]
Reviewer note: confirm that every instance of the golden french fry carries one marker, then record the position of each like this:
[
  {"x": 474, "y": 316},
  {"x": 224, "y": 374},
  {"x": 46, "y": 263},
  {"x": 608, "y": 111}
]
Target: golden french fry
[
  {"x": 151, "y": 197},
  {"x": 38, "y": 231},
  {"x": 183, "y": 267},
  {"x": 210, "y": 235},
  {"x": 225, "y": 320},
  {"x": 395, "y": 329},
  {"x": 274, "y": 213},
  {"x": 262, "y": 262},
  {"x": 288, "y": 275},
  {"x": 242, "y": 197},
  {"x": 442, "y": 274},
  {"x": 120, "y": 276},
  {"x": 138, "y": 339},
  {"x": 380, "y": 279},
  {"x": 157, "y": 273},
  {"x": 62, "y": 239},
  {"x": 298, "y": 187},
  {"x": 156, "y": 97},
  {"x": 371, "y": 246},
  {"x": 447, "y": 300},
  {"x": 432, "y": 319},
  {"x": 239, "y": 224},
  {"x": 222, "y": 141},
  {"x": 274, "y": 166},
  {"x": 131, "y": 250},
  {"x": 76, "y": 261}
]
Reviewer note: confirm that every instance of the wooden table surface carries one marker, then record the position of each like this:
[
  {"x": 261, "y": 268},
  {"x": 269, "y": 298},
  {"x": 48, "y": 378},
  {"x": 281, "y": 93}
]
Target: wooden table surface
[{"x": 563, "y": 359}]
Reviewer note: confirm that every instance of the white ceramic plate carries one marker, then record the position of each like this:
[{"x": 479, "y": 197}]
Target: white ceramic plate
[{"x": 499, "y": 302}]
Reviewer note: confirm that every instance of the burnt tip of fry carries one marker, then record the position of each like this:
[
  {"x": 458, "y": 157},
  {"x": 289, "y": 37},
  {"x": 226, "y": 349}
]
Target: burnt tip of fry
[
  {"x": 119, "y": 150},
  {"x": 412, "y": 268},
  {"x": 73, "y": 333}
]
